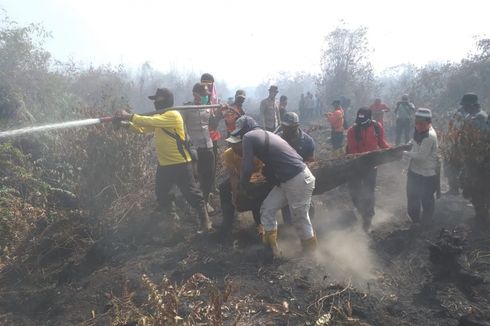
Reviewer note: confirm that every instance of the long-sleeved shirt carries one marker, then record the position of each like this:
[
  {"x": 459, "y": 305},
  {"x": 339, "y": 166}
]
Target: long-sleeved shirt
[
  {"x": 423, "y": 156},
  {"x": 280, "y": 158},
  {"x": 371, "y": 139},
  {"x": 336, "y": 119},
  {"x": 168, "y": 151},
  {"x": 268, "y": 113},
  {"x": 197, "y": 126},
  {"x": 378, "y": 111}
]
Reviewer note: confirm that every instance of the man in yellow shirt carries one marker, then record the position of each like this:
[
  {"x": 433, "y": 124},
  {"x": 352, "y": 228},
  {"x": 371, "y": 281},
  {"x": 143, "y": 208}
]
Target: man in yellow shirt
[
  {"x": 174, "y": 160},
  {"x": 232, "y": 197}
]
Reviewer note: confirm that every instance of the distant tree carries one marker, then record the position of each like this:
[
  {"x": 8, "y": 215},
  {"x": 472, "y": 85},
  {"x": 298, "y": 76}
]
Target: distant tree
[{"x": 346, "y": 69}]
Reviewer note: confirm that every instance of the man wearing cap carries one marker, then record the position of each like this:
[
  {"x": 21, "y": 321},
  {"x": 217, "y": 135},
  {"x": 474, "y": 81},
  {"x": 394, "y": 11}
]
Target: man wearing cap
[
  {"x": 337, "y": 123},
  {"x": 197, "y": 126},
  {"x": 229, "y": 189},
  {"x": 404, "y": 117},
  {"x": 234, "y": 111},
  {"x": 302, "y": 143},
  {"x": 423, "y": 170},
  {"x": 269, "y": 110},
  {"x": 174, "y": 160},
  {"x": 364, "y": 136},
  {"x": 285, "y": 169}
]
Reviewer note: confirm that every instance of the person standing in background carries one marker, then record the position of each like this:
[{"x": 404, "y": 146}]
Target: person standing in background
[
  {"x": 269, "y": 111},
  {"x": 197, "y": 126},
  {"x": 404, "y": 119},
  {"x": 337, "y": 122},
  {"x": 283, "y": 103},
  {"x": 378, "y": 110}
]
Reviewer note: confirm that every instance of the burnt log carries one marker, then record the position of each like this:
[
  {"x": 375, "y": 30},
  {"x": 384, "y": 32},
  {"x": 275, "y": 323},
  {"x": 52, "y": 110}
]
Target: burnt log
[
  {"x": 329, "y": 174},
  {"x": 332, "y": 173}
]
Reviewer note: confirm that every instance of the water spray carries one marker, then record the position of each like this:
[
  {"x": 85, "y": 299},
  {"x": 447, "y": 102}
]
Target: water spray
[{"x": 90, "y": 122}]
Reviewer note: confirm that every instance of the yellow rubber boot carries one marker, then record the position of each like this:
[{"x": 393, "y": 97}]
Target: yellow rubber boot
[
  {"x": 270, "y": 238},
  {"x": 309, "y": 245}
]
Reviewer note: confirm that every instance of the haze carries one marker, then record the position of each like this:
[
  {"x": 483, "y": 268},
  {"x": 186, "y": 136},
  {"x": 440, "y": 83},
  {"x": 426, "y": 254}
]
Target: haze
[{"x": 246, "y": 42}]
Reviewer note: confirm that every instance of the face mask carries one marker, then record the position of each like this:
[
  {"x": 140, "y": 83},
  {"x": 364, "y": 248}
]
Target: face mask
[
  {"x": 160, "y": 105},
  {"x": 204, "y": 100},
  {"x": 421, "y": 127},
  {"x": 290, "y": 132}
]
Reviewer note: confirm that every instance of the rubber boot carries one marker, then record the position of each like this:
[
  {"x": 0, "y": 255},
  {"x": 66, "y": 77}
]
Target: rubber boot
[
  {"x": 205, "y": 223},
  {"x": 270, "y": 238},
  {"x": 309, "y": 245}
]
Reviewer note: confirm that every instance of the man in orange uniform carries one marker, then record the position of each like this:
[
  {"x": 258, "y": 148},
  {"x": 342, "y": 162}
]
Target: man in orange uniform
[
  {"x": 378, "y": 110},
  {"x": 337, "y": 121}
]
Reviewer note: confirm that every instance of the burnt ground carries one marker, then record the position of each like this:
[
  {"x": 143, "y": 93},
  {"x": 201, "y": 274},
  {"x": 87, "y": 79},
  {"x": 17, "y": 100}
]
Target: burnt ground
[
  {"x": 69, "y": 275},
  {"x": 385, "y": 278}
]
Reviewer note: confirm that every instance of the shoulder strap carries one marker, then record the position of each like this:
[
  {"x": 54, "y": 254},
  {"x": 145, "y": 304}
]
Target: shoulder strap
[
  {"x": 267, "y": 141},
  {"x": 181, "y": 143}
]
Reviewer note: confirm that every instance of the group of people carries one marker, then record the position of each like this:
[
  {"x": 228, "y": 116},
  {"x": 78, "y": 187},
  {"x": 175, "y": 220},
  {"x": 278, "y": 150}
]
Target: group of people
[{"x": 267, "y": 166}]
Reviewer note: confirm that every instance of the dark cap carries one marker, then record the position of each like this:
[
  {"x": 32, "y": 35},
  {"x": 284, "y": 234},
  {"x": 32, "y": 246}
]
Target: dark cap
[
  {"x": 240, "y": 93},
  {"x": 162, "y": 92},
  {"x": 336, "y": 103},
  {"x": 469, "y": 99},
  {"x": 283, "y": 98},
  {"x": 207, "y": 78},
  {"x": 243, "y": 125},
  {"x": 273, "y": 88},
  {"x": 290, "y": 119}
]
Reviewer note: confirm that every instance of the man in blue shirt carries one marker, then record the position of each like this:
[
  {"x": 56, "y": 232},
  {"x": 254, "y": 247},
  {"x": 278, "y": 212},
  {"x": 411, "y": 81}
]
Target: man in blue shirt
[
  {"x": 285, "y": 169},
  {"x": 303, "y": 144}
]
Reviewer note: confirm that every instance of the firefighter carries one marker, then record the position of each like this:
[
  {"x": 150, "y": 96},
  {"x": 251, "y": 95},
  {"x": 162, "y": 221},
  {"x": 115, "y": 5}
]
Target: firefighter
[
  {"x": 174, "y": 160},
  {"x": 404, "y": 112},
  {"x": 423, "y": 171},
  {"x": 231, "y": 195},
  {"x": 284, "y": 168},
  {"x": 337, "y": 123},
  {"x": 303, "y": 144},
  {"x": 365, "y": 135}
]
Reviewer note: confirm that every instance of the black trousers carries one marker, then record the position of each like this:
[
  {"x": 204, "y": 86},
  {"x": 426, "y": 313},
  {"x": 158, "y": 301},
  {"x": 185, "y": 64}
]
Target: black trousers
[
  {"x": 206, "y": 170},
  {"x": 228, "y": 209},
  {"x": 337, "y": 139},
  {"x": 362, "y": 190},
  {"x": 402, "y": 127},
  {"x": 180, "y": 175},
  {"x": 420, "y": 196}
]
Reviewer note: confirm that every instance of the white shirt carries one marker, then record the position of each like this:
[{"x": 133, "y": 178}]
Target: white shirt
[{"x": 423, "y": 156}]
